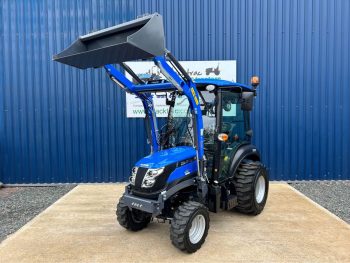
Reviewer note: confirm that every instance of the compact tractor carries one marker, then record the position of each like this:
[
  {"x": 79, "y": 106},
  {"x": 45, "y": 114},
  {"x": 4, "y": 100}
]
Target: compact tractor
[{"x": 201, "y": 156}]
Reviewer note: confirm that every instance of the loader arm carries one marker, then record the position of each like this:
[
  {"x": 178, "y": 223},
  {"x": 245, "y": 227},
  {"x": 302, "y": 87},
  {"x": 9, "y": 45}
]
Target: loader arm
[
  {"x": 142, "y": 38},
  {"x": 184, "y": 85},
  {"x": 147, "y": 102}
]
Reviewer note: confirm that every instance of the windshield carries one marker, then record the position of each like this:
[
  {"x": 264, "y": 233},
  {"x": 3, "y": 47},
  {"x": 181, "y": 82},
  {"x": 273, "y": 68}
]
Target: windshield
[{"x": 177, "y": 131}]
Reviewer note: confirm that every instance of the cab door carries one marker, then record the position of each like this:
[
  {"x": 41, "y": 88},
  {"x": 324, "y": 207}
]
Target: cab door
[{"x": 234, "y": 122}]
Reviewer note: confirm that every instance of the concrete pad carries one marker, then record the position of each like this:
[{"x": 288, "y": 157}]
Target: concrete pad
[{"x": 82, "y": 227}]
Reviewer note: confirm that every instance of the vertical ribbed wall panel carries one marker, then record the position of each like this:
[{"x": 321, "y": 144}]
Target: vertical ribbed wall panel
[{"x": 60, "y": 124}]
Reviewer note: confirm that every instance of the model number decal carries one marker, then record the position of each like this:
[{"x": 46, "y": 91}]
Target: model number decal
[
  {"x": 136, "y": 205},
  {"x": 194, "y": 96}
]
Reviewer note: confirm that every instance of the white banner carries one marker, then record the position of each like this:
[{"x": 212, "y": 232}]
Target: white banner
[{"x": 214, "y": 69}]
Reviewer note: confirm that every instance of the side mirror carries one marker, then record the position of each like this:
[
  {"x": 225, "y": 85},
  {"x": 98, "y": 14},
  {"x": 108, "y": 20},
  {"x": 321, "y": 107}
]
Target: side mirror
[
  {"x": 249, "y": 133},
  {"x": 227, "y": 105},
  {"x": 247, "y": 100}
]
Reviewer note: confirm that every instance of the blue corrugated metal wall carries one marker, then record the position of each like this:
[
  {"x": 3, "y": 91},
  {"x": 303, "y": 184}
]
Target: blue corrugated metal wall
[{"x": 60, "y": 124}]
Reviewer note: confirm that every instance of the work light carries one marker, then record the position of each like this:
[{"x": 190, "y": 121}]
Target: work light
[{"x": 133, "y": 175}]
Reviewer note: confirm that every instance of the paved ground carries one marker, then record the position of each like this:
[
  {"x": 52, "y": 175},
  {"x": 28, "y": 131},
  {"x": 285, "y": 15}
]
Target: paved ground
[
  {"x": 81, "y": 227},
  {"x": 332, "y": 195},
  {"x": 18, "y": 205}
]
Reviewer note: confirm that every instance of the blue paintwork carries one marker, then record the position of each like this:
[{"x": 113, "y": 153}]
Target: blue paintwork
[
  {"x": 175, "y": 82},
  {"x": 165, "y": 157},
  {"x": 169, "y": 86},
  {"x": 146, "y": 99},
  {"x": 190, "y": 90},
  {"x": 182, "y": 171},
  {"x": 157, "y": 86},
  {"x": 62, "y": 125}
]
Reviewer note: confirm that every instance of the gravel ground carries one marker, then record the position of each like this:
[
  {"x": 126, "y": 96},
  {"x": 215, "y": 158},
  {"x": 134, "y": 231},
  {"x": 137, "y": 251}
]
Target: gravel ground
[
  {"x": 332, "y": 195},
  {"x": 18, "y": 205}
]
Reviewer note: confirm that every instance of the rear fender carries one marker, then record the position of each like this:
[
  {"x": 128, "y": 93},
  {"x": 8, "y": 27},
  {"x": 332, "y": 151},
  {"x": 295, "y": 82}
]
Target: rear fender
[{"x": 245, "y": 151}]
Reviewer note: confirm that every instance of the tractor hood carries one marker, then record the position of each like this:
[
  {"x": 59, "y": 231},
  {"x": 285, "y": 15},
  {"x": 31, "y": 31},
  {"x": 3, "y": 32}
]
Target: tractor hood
[{"x": 166, "y": 157}]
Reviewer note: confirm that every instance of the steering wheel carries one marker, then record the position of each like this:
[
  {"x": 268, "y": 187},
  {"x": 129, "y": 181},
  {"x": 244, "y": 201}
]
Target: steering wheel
[{"x": 227, "y": 106}]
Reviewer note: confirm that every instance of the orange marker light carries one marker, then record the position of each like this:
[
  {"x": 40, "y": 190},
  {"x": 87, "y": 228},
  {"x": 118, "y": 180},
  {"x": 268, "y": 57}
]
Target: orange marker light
[
  {"x": 223, "y": 137},
  {"x": 255, "y": 81}
]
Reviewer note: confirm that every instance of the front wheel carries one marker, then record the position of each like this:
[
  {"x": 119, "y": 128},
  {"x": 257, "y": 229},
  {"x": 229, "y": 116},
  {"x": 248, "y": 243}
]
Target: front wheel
[
  {"x": 131, "y": 219},
  {"x": 190, "y": 226},
  {"x": 252, "y": 186}
]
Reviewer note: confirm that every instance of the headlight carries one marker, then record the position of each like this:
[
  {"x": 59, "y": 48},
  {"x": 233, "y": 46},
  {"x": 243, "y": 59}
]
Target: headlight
[
  {"x": 133, "y": 175},
  {"x": 150, "y": 177},
  {"x": 134, "y": 170}
]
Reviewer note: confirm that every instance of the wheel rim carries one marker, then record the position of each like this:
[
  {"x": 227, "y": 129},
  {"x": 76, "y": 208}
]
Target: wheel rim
[
  {"x": 260, "y": 189},
  {"x": 197, "y": 229}
]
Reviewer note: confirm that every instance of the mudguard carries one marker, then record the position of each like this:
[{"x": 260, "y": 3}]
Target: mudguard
[{"x": 246, "y": 150}]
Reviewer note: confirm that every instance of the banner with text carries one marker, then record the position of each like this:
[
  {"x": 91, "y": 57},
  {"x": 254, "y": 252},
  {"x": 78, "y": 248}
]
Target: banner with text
[{"x": 214, "y": 69}]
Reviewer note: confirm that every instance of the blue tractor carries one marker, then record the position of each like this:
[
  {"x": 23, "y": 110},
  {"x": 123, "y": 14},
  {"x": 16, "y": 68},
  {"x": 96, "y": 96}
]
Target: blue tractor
[{"x": 201, "y": 156}]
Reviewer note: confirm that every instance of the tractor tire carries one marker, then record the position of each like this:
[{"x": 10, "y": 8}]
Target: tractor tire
[
  {"x": 190, "y": 226},
  {"x": 132, "y": 219},
  {"x": 252, "y": 185}
]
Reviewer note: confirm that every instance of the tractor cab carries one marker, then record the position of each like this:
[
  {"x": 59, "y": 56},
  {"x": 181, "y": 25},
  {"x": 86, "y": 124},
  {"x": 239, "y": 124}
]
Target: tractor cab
[
  {"x": 226, "y": 121},
  {"x": 225, "y": 108}
]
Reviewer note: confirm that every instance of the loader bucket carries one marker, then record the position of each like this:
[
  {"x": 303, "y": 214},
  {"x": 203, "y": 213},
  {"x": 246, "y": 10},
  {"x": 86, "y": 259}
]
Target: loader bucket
[{"x": 141, "y": 38}]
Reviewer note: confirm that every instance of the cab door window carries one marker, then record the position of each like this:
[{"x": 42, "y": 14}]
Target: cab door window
[{"x": 232, "y": 117}]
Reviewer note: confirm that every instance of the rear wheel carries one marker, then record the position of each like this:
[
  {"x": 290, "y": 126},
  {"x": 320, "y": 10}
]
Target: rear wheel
[
  {"x": 252, "y": 186},
  {"x": 189, "y": 227},
  {"x": 132, "y": 219}
]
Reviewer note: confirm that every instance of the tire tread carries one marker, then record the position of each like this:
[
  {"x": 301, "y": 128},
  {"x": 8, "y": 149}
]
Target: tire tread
[
  {"x": 243, "y": 181},
  {"x": 125, "y": 219},
  {"x": 179, "y": 223}
]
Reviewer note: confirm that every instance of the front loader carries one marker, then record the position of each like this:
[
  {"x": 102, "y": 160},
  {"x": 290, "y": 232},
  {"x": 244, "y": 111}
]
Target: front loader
[{"x": 201, "y": 157}]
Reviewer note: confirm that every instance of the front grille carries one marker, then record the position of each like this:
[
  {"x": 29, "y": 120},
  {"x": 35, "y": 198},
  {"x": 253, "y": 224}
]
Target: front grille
[{"x": 139, "y": 177}]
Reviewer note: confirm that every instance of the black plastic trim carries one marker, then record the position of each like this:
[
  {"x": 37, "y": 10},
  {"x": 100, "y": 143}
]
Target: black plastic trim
[{"x": 247, "y": 150}]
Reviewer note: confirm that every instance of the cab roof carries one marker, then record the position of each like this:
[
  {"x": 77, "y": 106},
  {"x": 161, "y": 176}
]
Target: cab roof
[
  {"x": 164, "y": 85},
  {"x": 201, "y": 83}
]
